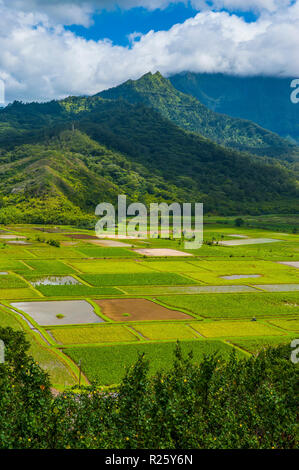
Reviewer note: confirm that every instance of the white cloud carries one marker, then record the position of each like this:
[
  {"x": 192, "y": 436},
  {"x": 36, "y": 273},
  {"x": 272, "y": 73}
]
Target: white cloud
[
  {"x": 41, "y": 61},
  {"x": 80, "y": 12}
]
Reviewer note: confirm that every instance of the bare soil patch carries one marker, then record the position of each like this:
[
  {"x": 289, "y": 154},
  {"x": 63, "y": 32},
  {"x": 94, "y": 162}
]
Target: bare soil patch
[
  {"x": 137, "y": 310},
  {"x": 110, "y": 243},
  {"x": 81, "y": 236},
  {"x": 161, "y": 252}
]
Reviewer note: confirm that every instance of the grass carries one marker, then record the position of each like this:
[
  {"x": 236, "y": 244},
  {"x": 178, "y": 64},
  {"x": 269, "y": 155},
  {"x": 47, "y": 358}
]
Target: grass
[
  {"x": 17, "y": 294},
  {"x": 166, "y": 331},
  {"x": 107, "y": 365},
  {"x": 110, "y": 267},
  {"x": 289, "y": 325},
  {"x": 50, "y": 267},
  {"x": 255, "y": 345},
  {"x": 76, "y": 291},
  {"x": 55, "y": 253},
  {"x": 269, "y": 272},
  {"x": 172, "y": 266},
  {"x": 101, "y": 252},
  {"x": 131, "y": 279},
  {"x": 11, "y": 281},
  {"x": 96, "y": 334},
  {"x": 225, "y": 329},
  {"x": 12, "y": 252},
  {"x": 241, "y": 305},
  {"x": 13, "y": 265}
]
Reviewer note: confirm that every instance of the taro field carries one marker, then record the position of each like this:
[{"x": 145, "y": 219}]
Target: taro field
[{"x": 99, "y": 303}]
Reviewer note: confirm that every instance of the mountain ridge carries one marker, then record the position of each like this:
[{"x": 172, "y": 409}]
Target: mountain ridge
[
  {"x": 190, "y": 114},
  {"x": 67, "y": 156}
]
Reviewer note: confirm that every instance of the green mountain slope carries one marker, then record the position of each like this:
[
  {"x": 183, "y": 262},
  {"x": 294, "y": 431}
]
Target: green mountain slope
[
  {"x": 264, "y": 100},
  {"x": 68, "y": 156},
  {"x": 187, "y": 112}
]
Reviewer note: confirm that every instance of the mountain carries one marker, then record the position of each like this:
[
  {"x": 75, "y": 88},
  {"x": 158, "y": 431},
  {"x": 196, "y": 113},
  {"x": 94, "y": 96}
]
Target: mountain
[
  {"x": 58, "y": 160},
  {"x": 190, "y": 114},
  {"x": 264, "y": 100}
]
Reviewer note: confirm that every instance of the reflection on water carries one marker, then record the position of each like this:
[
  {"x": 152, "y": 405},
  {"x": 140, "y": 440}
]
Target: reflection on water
[{"x": 55, "y": 281}]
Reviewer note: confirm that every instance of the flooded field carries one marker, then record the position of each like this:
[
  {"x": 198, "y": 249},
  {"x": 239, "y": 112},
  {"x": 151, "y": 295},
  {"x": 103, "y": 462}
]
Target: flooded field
[
  {"x": 56, "y": 281},
  {"x": 248, "y": 241},
  {"x": 68, "y": 312}
]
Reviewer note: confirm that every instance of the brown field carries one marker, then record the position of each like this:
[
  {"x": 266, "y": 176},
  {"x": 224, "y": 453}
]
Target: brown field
[{"x": 137, "y": 310}]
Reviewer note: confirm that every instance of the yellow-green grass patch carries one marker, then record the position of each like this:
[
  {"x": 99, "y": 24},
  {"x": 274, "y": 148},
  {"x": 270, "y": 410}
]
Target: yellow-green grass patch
[
  {"x": 289, "y": 325},
  {"x": 225, "y": 329},
  {"x": 97, "y": 334},
  {"x": 49, "y": 267},
  {"x": 172, "y": 266},
  {"x": 101, "y": 252},
  {"x": 13, "y": 294},
  {"x": 166, "y": 331},
  {"x": 255, "y": 345},
  {"x": 55, "y": 253},
  {"x": 109, "y": 267},
  {"x": 11, "y": 281},
  {"x": 14, "y": 265}
]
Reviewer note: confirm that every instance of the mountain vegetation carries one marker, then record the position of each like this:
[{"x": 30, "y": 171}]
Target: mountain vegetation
[
  {"x": 58, "y": 160},
  {"x": 190, "y": 114},
  {"x": 261, "y": 99}
]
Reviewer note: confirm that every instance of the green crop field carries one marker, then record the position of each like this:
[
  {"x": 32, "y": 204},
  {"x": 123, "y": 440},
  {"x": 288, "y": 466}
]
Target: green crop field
[
  {"x": 113, "y": 267},
  {"x": 107, "y": 364},
  {"x": 76, "y": 291},
  {"x": 49, "y": 267},
  {"x": 221, "y": 308},
  {"x": 241, "y": 305},
  {"x": 138, "y": 279}
]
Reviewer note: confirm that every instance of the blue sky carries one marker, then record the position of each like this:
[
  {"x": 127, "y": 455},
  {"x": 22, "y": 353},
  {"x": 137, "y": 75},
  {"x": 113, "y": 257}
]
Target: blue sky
[{"x": 118, "y": 24}]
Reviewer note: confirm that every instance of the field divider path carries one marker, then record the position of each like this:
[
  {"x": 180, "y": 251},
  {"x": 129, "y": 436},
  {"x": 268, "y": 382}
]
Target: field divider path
[
  {"x": 235, "y": 346},
  {"x": 27, "y": 265},
  {"x": 30, "y": 285},
  {"x": 195, "y": 331}
]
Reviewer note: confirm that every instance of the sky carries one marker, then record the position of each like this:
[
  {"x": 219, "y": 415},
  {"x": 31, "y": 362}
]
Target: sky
[{"x": 52, "y": 49}]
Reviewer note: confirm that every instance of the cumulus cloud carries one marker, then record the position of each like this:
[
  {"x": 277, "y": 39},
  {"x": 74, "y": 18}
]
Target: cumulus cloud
[{"x": 41, "y": 61}]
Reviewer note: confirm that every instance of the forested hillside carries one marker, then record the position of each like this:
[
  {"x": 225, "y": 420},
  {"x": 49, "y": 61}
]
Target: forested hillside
[
  {"x": 190, "y": 114},
  {"x": 261, "y": 99},
  {"x": 58, "y": 160}
]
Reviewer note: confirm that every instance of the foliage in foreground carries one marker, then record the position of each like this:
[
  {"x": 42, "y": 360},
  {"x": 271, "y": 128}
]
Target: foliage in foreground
[{"x": 215, "y": 404}]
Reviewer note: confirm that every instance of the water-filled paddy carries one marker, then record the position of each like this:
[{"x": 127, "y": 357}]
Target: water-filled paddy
[
  {"x": 248, "y": 241},
  {"x": 69, "y": 312},
  {"x": 240, "y": 276},
  {"x": 55, "y": 281}
]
